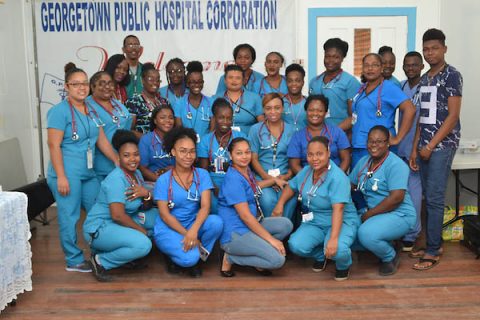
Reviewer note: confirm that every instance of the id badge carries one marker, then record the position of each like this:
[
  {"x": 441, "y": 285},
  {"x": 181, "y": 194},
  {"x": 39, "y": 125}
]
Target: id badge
[
  {"x": 89, "y": 158},
  {"x": 141, "y": 217},
  {"x": 274, "y": 172},
  {"x": 219, "y": 161},
  {"x": 236, "y": 128},
  {"x": 204, "y": 253},
  {"x": 354, "y": 118},
  {"x": 307, "y": 216}
]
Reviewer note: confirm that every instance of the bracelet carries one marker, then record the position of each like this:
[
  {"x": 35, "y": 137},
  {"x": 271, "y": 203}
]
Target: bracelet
[{"x": 149, "y": 197}]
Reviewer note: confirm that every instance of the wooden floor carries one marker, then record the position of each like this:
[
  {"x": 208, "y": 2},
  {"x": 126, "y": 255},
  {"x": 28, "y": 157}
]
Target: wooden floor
[{"x": 449, "y": 291}]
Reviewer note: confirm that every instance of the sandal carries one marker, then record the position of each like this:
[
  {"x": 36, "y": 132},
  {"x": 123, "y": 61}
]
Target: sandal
[
  {"x": 419, "y": 253},
  {"x": 226, "y": 273},
  {"x": 419, "y": 267}
]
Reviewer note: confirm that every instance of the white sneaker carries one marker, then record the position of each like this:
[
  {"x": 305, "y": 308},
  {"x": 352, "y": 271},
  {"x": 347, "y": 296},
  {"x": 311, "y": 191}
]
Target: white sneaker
[{"x": 81, "y": 267}]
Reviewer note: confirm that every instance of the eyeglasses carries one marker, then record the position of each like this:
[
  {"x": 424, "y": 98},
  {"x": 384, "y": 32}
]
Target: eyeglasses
[
  {"x": 103, "y": 83},
  {"x": 179, "y": 70},
  {"x": 372, "y": 66},
  {"x": 376, "y": 142},
  {"x": 133, "y": 46},
  {"x": 184, "y": 152},
  {"x": 77, "y": 85}
]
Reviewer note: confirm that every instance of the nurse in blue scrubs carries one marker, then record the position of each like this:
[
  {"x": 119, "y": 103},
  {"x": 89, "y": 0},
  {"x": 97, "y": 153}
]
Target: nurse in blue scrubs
[
  {"x": 212, "y": 149},
  {"x": 74, "y": 130},
  {"x": 154, "y": 160},
  {"x": 269, "y": 140},
  {"x": 185, "y": 231},
  {"x": 293, "y": 102},
  {"x": 194, "y": 110},
  {"x": 329, "y": 218},
  {"x": 176, "y": 86},
  {"x": 336, "y": 84},
  {"x": 246, "y": 105},
  {"x": 113, "y": 114},
  {"x": 376, "y": 103},
  {"x": 121, "y": 220},
  {"x": 389, "y": 62},
  {"x": 316, "y": 108},
  {"x": 382, "y": 178},
  {"x": 248, "y": 238},
  {"x": 273, "y": 81},
  {"x": 244, "y": 56}
]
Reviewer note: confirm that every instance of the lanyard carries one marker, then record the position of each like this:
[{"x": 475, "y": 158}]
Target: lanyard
[
  {"x": 275, "y": 141},
  {"x": 120, "y": 93},
  {"x": 315, "y": 185},
  {"x": 256, "y": 191},
  {"x": 189, "y": 111},
  {"x": 379, "y": 97},
  {"x": 151, "y": 105},
  {"x": 370, "y": 172},
  {"x": 131, "y": 182},
  {"x": 238, "y": 106},
  {"x": 88, "y": 110},
  {"x": 220, "y": 148},
  {"x": 292, "y": 112},
  {"x": 262, "y": 85},
  {"x": 157, "y": 140},
  {"x": 170, "y": 202}
]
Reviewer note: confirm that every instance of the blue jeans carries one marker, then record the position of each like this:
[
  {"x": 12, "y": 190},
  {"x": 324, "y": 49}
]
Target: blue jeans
[
  {"x": 250, "y": 250},
  {"x": 434, "y": 174},
  {"x": 269, "y": 199}
]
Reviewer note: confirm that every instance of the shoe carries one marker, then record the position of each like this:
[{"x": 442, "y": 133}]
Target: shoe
[
  {"x": 226, "y": 273},
  {"x": 341, "y": 275},
  {"x": 391, "y": 267},
  {"x": 138, "y": 264},
  {"x": 319, "y": 266},
  {"x": 81, "y": 267},
  {"x": 172, "y": 267},
  {"x": 407, "y": 246},
  {"x": 195, "y": 271},
  {"x": 263, "y": 272},
  {"x": 99, "y": 272}
]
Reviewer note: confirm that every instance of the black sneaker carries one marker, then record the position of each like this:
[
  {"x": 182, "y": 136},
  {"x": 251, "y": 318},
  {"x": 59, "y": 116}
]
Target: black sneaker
[
  {"x": 407, "y": 246},
  {"x": 195, "y": 271},
  {"x": 319, "y": 266},
  {"x": 389, "y": 268},
  {"x": 341, "y": 275},
  {"x": 99, "y": 272},
  {"x": 172, "y": 267},
  {"x": 138, "y": 264}
]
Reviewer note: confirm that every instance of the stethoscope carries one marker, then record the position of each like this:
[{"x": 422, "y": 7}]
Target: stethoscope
[
  {"x": 189, "y": 110},
  {"x": 116, "y": 108},
  {"x": 221, "y": 150},
  {"x": 138, "y": 180},
  {"x": 379, "y": 97},
  {"x": 88, "y": 110},
  {"x": 196, "y": 198},
  {"x": 325, "y": 132},
  {"x": 257, "y": 192},
  {"x": 292, "y": 112},
  {"x": 274, "y": 142},
  {"x": 315, "y": 185},
  {"x": 332, "y": 82},
  {"x": 369, "y": 174},
  {"x": 238, "y": 103},
  {"x": 262, "y": 86},
  {"x": 148, "y": 102},
  {"x": 157, "y": 140}
]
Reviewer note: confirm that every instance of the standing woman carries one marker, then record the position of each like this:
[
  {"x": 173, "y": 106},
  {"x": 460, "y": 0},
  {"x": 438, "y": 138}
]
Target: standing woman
[
  {"x": 212, "y": 150},
  {"x": 389, "y": 62},
  {"x": 118, "y": 225},
  {"x": 382, "y": 178},
  {"x": 244, "y": 56},
  {"x": 184, "y": 230},
  {"x": 293, "y": 101},
  {"x": 270, "y": 139},
  {"x": 248, "y": 238},
  {"x": 273, "y": 81},
  {"x": 154, "y": 160},
  {"x": 74, "y": 129},
  {"x": 176, "y": 87},
  {"x": 336, "y": 84},
  {"x": 193, "y": 110},
  {"x": 142, "y": 105},
  {"x": 117, "y": 68},
  {"x": 329, "y": 218},
  {"x": 316, "y": 107},
  {"x": 113, "y": 114},
  {"x": 246, "y": 105}
]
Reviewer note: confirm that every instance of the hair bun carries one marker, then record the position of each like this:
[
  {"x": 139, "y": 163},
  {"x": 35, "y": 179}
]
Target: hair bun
[{"x": 69, "y": 67}]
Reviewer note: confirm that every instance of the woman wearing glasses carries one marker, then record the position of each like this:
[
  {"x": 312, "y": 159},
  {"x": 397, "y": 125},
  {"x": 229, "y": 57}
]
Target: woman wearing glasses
[
  {"x": 112, "y": 113},
  {"x": 382, "y": 178},
  {"x": 337, "y": 85},
  {"x": 269, "y": 140},
  {"x": 176, "y": 87},
  {"x": 193, "y": 110},
  {"x": 117, "y": 68},
  {"x": 74, "y": 130},
  {"x": 142, "y": 105},
  {"x": 246, "y": 105},
  {"x": 184, "y": 231},
  {"x": 273, "y": 81}
]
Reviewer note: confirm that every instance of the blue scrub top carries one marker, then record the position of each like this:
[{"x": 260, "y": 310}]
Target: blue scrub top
[
  {"x": 395, "y": 81},
  {"x": 209, "y": 146},
  {"x": 392, "y": 175},
  {"x": 152, "y": 154},
  {"x": 334, "y": 189},
  {"x": 338, "y": 91},
  {"x": 337, "y": 137},
  {"x": 112, "y": 190},
  {"x": 246, "y": 110},
  {"x": 261, "y": 143},
  {"x": 235, "y": 189},
  {"x": 294, "y": 113},
  {"x": 167, "y": 93},
  {"x": 365, "y": 108},
  {"x": 405, "y": 146},
  {"x": 221, "y": 87},
  {"x": 200, "y": 120},
  {"x": 262, "y": 87},
  {"x": 74, "y": 152},
  {"x": 101, "y": 164},
  {"x": 185, "y": 210}
]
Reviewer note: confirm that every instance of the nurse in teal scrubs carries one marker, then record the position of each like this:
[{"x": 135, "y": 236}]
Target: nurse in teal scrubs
[
  {"x": 329, "y": 218},
  {"x": 212, "y": 149},
  {"x": 176, "y": 87},
  {"x": 118, "y": 226},
  {"x": 336, "y": 84},
  {"x": 273, "y": 81},
  {"x": 293, "y": 102},
  {"x": 269, "y": 141},
  {"x": 74, "y": 130},
  {"x": 113, "y": 114}
]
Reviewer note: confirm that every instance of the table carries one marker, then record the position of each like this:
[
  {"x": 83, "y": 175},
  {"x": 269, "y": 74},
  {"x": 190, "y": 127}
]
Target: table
[
  {"x": 15, "y": 250},
  {"x": 464, "y": 161}
]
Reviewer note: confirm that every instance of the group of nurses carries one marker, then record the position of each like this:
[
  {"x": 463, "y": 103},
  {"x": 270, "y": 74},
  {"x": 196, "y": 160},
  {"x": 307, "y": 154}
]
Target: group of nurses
[
  {"x": 74, "y": 130},
  {"x": 117, "y": 68},
  {"x": 176, "y": 87},
  {"x": 273, "y": 81},
  {"x": 119, "y": 224},
  {"x": 293, "y": 101}
]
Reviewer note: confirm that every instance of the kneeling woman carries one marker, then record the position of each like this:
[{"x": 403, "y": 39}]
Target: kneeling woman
[
  {"x": 185, "y": 231},
  {"x": 382, "y": 178},
  {"x": 117, "y": 225},
  {"x": 248, "y": 238},
  {"x": 329, "y": 218}
]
